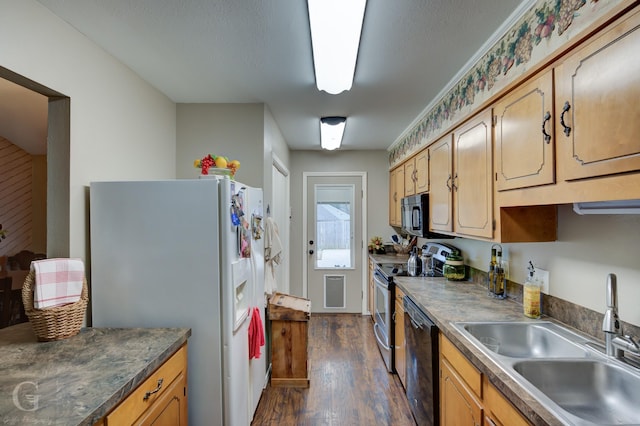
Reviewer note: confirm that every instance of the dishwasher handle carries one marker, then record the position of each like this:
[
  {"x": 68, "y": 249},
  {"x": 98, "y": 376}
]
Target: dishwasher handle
[
  {"x": 418, "y": 318},
  {"x": 414, "y": 324}
]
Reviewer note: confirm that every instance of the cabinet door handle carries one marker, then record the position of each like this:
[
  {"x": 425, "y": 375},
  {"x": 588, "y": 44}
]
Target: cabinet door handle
[
  {"x": 453, "y": 182},
  {"x": 547, "y": 136},
  {"x": 449, "y": 180},
  {"x": 565, "y": 108},
  {"x": 156, "y": 390}
]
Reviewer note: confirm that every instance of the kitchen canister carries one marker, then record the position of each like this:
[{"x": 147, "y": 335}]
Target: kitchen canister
[{"x": 454, "y": 269}]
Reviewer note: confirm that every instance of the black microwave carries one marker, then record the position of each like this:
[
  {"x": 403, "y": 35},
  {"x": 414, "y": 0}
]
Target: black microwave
[{"x": 415, "y": 216}]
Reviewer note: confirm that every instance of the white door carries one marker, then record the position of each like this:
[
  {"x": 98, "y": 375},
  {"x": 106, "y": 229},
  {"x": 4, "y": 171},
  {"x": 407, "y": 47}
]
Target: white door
[{"x": 334, "y": 242}]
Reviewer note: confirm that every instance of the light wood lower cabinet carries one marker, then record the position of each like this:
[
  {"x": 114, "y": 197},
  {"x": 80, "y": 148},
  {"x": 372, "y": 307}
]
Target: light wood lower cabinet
[
  {"x": 400, "y": 341},
  {"x": 466, "y": 395},
  {"x": 458, "y": 404},
  {"x": 595, "y": 122},
  {"x": 161, "y": 400}
]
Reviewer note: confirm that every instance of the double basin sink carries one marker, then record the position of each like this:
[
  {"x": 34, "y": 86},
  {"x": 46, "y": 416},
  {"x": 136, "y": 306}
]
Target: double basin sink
[{"x": 562, "y": 370}]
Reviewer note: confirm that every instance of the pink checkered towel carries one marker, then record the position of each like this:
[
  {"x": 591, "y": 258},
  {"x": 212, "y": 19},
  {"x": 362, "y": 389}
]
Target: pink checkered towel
[{"x": 57, "y": 282}]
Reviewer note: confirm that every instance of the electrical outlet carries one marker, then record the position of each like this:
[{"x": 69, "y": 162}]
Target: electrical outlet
[{"x": 543, "y": 276}]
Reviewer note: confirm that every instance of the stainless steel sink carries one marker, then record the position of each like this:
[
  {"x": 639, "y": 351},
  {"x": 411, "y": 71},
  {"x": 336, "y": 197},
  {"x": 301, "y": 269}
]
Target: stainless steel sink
[
  {"x": 524, "y": 339},
  {"x": 592, "y": 390},
  {"x": 561, "y": 369}
]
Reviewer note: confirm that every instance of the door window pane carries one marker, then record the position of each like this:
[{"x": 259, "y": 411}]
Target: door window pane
[{"x": 334, "y": 226}]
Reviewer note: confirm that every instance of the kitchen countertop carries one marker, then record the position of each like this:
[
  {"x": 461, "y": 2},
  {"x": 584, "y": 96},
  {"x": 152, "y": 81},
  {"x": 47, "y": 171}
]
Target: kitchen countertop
[
  {"x": 389, "y": 258},
  {"x": 77, "y": 381},
  {"x": 448, "y": 301}
]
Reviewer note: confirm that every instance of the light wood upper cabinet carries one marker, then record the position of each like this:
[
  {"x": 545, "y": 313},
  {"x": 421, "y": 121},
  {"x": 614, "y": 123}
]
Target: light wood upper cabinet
[
  {"x": 409, "y": 177},
  {"x": 472, "y": 180},
  {"x": 416, "y": 174},
  {"x": 440, "y": 193},
  {"x": 524, "y": 133},
  {"x": 396, "y": 191},
  {"x": 422, "y": 172},
  {"x": 461, "y": 187},
  {"x": 597, "y": 93}
]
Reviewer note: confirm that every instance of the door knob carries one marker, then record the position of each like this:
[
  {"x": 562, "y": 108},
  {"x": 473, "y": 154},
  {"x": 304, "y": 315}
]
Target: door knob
[
  {"x": 310, "y": 251},
  {"x": 310, "y": 242}
]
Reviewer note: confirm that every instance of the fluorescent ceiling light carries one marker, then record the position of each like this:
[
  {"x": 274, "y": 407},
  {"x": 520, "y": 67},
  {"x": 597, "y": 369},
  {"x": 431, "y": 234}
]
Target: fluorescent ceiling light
[
  {"x": 331, "y": 131},
  {"x": 335, "y": 36}
]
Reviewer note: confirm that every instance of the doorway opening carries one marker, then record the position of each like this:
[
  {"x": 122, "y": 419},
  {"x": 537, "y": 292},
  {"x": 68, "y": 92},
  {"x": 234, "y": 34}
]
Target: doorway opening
[{"x": 57, "y": 220}]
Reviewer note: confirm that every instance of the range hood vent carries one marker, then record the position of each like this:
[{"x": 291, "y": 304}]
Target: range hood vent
[{"x": 608, "y": 207}]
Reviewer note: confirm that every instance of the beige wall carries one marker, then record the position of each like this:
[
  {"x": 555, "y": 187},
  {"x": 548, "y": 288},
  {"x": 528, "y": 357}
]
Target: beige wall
[
  {"x": 588, "y": 248},
  {"x": 246, "y": 132},
  {"x": 120, "y": 126},
  {"x": 274, "y": 143},
  {"x": 375, "y": 163},
  {"x": 232, "y": 130}
]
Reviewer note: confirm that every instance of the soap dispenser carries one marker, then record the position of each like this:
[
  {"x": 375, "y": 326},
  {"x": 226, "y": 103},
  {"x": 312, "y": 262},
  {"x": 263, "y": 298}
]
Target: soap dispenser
[{"x": 531, "y": 298}]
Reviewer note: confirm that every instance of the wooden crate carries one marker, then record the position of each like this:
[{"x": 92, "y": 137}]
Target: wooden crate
[{"x": 289, "y": 318}]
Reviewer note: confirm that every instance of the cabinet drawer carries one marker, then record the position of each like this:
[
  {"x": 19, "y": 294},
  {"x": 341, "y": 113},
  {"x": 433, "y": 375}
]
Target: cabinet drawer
[
  {"x": 471, "y": 376},
  {"x": 135, "y": 404},
  {"x": 170, "y": 408}
]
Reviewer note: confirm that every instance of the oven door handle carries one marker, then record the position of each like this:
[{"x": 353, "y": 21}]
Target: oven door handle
[
  {"x": 375, "y": 331},
  {"x": 380, "y": 281}
]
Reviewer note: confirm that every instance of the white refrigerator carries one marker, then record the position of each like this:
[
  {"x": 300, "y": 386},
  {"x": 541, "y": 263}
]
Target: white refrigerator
[{"x": 186, "y": 253}]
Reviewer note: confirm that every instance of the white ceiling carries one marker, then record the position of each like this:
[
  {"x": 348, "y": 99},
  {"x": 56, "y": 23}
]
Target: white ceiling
[{"x": 238, "y": 51}]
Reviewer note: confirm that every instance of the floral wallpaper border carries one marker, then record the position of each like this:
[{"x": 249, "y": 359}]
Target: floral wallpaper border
[{"x": 548, "y": 25}]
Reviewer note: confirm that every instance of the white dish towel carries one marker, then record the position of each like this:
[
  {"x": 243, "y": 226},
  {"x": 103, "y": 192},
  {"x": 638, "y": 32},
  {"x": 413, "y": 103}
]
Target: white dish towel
[{"x": 57, "y": 282}]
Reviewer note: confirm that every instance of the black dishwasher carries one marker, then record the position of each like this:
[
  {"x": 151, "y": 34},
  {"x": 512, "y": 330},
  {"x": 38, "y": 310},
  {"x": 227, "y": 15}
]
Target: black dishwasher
[{"x": 422, "y": 382}]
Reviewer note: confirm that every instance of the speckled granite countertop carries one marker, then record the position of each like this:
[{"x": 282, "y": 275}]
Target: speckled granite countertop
[
  {"x": 389, "y": 258},
  {"x": 77, "y": 381},
  {"x": 446, "y": 302}
]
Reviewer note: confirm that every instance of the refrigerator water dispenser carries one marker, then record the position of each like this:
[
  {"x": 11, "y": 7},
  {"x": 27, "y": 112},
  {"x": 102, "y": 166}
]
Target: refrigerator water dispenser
[{"x": 241, "y": 277}]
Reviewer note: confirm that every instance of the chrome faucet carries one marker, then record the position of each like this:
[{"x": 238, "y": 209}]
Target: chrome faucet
[{"x": 615, "y": 341}]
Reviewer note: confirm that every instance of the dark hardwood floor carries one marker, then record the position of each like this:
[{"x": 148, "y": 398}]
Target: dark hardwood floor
[{"x": 349, "y": 382}]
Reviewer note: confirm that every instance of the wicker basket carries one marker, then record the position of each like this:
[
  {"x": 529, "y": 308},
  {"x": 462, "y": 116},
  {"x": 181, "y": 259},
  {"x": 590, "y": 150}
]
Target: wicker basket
[
  {"x": 401, "y": 250},
  {"x": 55, "y": 323}
]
